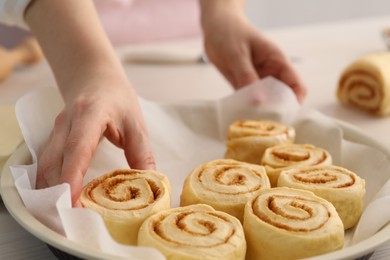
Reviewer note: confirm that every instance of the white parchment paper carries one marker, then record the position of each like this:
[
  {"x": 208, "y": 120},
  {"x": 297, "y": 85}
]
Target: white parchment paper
[{"x": 184, "y": 136}]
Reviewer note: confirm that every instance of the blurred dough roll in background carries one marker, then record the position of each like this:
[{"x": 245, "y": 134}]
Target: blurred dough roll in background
[
  {"x": 365, "y": 84},
  {"x": 125, "y": 198},
  {"x": 342, "y": 187},
  {"x": 194, "y": 232},
  {"x": 286, "y": 223},
  {"x": 224, "y": 184},
  {"x": 248, "y": 139}
]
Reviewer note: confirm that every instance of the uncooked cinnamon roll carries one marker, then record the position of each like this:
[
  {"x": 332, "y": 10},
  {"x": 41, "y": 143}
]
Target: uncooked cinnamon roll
[
  {"x": 285, "y": 223},
  {"x": 342, "y": 187},
  {"x": 284, "y": 157},
  {"x": 194, "y": 232},
  {"x": 225, "y": 184},
  {"x": 365, "y": 84},
  {"x": 247, "y": 139},
  {"x": 125, "y": 198}
]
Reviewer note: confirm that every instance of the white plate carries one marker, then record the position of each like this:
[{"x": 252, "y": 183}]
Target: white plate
[{"x": 17, "y": 209}]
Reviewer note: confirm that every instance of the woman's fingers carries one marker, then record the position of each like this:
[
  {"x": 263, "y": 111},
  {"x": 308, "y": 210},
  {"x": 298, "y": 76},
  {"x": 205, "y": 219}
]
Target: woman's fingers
[
  {"x": 242, "y": 70},
  {"x": 80, "y": 146},
  {"x": 243, "y": 54},
  {"x": 138, "y": 151},
  {"x": 292, "y": 79},
  {"x": 77, "y": 133},
  {"x": 68, "y": 152},
  {"x": 50, "y": 157}
]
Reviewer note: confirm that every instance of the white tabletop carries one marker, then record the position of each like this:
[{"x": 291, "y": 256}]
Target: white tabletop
[{"x": 320, "y": 53}]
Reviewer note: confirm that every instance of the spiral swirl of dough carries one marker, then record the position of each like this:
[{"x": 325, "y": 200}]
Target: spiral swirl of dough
[
  {"x": 342, "y": 187},
  {"x": 262, "y": 128},
  {"x": 224, "y": 184},
  {"x": 125, "y": 198},
  {"x": 247, "y": 139},
  {"x": 361, "y": 90},
  {"x": 291, "y": 212},
  {"x": 307, "y": 224},
  {"x": 365, "y": 84},
  {"x": 328, "y": 176},
  {"x": 194, "y": 232},
  {"x": 283, "y": 157}
]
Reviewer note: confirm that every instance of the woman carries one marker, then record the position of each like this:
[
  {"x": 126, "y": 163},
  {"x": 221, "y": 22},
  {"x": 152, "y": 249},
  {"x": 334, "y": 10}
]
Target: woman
[{"x": 99, "y": 99}]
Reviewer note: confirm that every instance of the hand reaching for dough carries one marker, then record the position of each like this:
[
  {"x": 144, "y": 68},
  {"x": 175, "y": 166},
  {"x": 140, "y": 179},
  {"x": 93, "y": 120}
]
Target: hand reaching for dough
[
  {"x": 99, "y": 100},
  {"x": 242, "y": 53},
  {"x": 98, "y": 111}
]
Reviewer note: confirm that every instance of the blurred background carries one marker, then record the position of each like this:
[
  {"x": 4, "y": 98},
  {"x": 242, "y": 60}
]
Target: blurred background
[
  {"x": 270, "y": 14},
  {"x": 281, "y": 13},
  {"x": 10, "y": 36}
]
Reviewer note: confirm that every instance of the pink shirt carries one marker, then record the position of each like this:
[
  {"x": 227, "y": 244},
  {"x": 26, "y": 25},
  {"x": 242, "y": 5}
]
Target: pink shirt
[
  {"x": 130, "y": 21},
  {"x": 137, "y": 21}
]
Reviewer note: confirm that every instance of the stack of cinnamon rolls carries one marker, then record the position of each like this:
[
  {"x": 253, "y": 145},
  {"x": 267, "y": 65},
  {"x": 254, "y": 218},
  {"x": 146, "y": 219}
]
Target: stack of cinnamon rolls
[{"x": 268, "y": 198}]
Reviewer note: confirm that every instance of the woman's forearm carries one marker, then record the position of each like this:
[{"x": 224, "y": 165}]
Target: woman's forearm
[
  {"x": 215, "y": 7},
  {"x": 210, "y": 5},
  {"x": 73, "y": 41},
  {"x": 218, "y": 10}
]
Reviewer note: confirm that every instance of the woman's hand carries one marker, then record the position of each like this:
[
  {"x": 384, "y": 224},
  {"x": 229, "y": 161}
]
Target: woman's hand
[
  {"x": 99, "y": 100},
  {"x": 240, "y": 52},
  {"x": 96, "y": 111}
]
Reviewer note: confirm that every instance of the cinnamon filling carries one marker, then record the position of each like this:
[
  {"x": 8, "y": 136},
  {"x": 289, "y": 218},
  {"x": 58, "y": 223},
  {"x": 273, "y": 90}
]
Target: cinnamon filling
[
  {"x": 276, "y": 212},
  {"x": 359, "y": 92},
  {"x": 263, "y": 128},
  {"x": 304, "y": 155},
  {"x": 117, "y": 188},
  {"x": 317, "y": 178},
  {"x": 325, "y": 176},
  {"x": 210, "y": 227},
  {"x": 295, "y": 155},
  {"x": 236, "y": 179}
]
